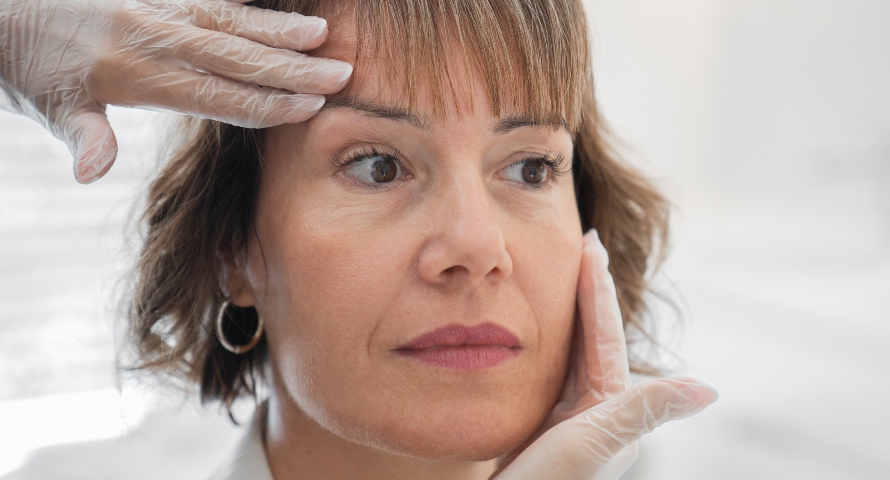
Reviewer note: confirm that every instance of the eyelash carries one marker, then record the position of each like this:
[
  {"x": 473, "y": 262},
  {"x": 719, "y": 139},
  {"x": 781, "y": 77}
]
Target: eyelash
[
  {"x": 547, "y": 159},
  {"x": 360, "y": 155}
]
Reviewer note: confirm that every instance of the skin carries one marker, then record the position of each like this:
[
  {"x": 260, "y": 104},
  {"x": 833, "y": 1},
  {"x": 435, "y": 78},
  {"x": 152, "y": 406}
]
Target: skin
[{"x": 343, "y": 271}]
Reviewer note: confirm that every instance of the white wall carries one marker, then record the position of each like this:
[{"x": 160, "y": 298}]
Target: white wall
[{"x": 768, "y": 122}]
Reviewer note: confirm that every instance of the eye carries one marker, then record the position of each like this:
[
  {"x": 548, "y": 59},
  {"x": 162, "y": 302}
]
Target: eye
[
  {"x": 372, "y": 167},
  {"x": 534, "y": 172}
]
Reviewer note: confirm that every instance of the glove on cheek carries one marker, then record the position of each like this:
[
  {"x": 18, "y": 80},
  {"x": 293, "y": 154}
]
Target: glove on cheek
[{"x": 592, "y": 431}]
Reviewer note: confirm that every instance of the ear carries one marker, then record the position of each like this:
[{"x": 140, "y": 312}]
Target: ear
[{"x": 234, "y": 280}]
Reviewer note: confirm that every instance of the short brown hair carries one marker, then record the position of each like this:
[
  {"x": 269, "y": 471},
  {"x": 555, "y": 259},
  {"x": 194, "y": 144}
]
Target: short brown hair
[{"x": 533, "y": 56}]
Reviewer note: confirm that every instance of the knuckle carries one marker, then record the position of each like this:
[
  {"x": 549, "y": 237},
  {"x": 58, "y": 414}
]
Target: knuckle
[
  {"x": 604, "y": 440},
  {"x": 658, "y": 389},
  {"x": 127, "y": 21},
  {"x": 256, "y": 108},
  {"x": 658, "y": 403},
  {"x": 189, "y": 11},
  {"x": 226, "y": 19}
]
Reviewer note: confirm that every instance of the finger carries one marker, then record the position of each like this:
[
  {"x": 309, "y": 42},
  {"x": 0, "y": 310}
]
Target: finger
[
  {"x": 290, "y": 31},
  {"x": 585, "y": 446},
  {"x": 622, "y": 420},
  {"x": 562, "y": 459},
  {"x": 247, "y": 61},
  {"x": 608, "y": 372},
  {"x": 92, "y": 142},
  {"x": 620, "y": 464},
  {"x": 217, "y": 98}
]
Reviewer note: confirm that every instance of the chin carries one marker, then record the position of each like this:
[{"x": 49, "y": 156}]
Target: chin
[
  {"x": 463, "y": 446},
  {"x": 469, "y": 433}
]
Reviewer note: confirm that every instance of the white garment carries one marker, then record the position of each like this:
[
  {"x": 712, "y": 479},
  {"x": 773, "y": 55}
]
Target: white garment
[{"x": 248, "y": 461}]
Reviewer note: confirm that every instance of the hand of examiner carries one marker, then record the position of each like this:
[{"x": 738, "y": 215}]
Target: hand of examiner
[
  {"x": 592, "y": 431},
  {"x": 63, "y": 61}
]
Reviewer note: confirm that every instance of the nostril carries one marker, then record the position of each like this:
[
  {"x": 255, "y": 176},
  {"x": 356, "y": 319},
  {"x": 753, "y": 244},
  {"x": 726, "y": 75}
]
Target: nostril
[{"x": 454, "y": 272}]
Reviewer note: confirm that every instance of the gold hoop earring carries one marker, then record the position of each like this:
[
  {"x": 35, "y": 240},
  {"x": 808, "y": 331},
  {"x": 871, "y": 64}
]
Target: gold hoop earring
[{"x": 236, "y": 349}]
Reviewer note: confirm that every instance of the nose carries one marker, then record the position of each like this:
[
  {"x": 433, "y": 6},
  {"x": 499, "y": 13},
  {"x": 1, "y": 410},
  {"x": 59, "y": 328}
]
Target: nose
[{"x": 467, "y": 244}]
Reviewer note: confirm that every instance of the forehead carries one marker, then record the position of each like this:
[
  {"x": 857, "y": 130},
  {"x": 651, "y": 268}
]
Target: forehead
[
  {"x": 440, "y": 65},
  {"x": 375, "y": 80}
]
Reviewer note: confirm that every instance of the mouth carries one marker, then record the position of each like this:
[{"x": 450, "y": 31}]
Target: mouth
[{"x": 463, "y": 348}]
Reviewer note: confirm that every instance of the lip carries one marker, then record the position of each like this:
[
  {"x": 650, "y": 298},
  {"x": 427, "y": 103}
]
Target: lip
[{"x": 462, "y": 347}]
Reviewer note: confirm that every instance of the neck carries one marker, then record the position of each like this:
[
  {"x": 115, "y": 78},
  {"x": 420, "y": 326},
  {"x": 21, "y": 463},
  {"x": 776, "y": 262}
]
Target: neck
[{"x": 298, "y": 448}]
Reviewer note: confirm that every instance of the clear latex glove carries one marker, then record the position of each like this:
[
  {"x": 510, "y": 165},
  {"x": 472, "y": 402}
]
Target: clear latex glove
[
  {"x": 593, "y": 430},
  {"x": 63, "y": 61}
]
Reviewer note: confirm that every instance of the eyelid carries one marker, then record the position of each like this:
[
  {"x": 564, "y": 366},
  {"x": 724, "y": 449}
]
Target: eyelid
[{"x": 355, "y": 155}]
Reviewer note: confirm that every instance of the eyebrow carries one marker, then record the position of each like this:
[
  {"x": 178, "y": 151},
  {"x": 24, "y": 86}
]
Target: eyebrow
[
  {"x": 501, "y": 127},
  {"x": 376, "y": 110},
  {"x": 508, "y": 124}
]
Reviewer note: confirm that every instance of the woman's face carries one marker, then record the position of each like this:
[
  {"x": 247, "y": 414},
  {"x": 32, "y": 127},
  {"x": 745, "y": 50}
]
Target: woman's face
[{"x": 375, "y": 226}]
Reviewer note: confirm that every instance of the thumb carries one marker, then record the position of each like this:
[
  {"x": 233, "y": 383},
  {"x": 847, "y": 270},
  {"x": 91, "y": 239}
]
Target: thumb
[{"x": 92, "y": 142}]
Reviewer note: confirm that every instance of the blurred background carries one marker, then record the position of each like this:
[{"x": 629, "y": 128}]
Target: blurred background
[{"x": 767, "y": 122}]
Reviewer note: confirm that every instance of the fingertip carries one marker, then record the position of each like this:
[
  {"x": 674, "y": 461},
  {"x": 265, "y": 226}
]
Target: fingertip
[
  {"x": 332, "y": 75},
  {"x": 592, "y": 236},
  {"x": 595, "y": 249},
  {"x": 95, "y": 158},
  {"x": 92, "y": 141},
  {"x": 95, "y": 177},
  {"x": 694, "y": 395},
  {"x": 317, "y": 25},
  {"x": 346, "y": 70},
  {"x": 89, "y": 171},
  {"x": 592, "y": 240},
  {"x": 714, "y": 393},
  {"x": 311, "y": 32},
  {"x": 300, "y": 108}
]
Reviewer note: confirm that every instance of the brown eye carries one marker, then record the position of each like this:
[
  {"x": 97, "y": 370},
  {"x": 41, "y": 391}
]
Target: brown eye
[
  {"x": 383, "y": 170},
  {"x": 374, "y": 169},
  {"x": 534, "y": 171}
]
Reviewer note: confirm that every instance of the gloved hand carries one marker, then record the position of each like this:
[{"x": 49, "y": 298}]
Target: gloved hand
[
  {"x": 63, "y": 61},
  {"x": 593, "y": 430}
]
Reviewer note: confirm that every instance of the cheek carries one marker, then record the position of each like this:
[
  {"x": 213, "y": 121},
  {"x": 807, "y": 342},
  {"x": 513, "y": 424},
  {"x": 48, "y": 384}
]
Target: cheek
[
  {"x": 546, "y": 267},
  {"x": 546, "y": 252},
  {"x": 331, "y": 282}
]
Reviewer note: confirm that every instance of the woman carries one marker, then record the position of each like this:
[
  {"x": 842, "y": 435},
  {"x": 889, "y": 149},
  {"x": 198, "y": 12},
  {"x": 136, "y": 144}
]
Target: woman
[
  {"x": 408, "y": 258},
  {"x": 405, "y": 273}
]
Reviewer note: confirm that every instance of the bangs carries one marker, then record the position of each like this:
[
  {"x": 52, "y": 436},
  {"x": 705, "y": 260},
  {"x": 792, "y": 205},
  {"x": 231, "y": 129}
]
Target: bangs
[{"x": 532, "y": 56}]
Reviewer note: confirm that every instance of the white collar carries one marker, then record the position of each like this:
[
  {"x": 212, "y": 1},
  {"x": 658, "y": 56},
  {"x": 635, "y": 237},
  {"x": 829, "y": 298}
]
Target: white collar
[{"x": 248, "y": 461}]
